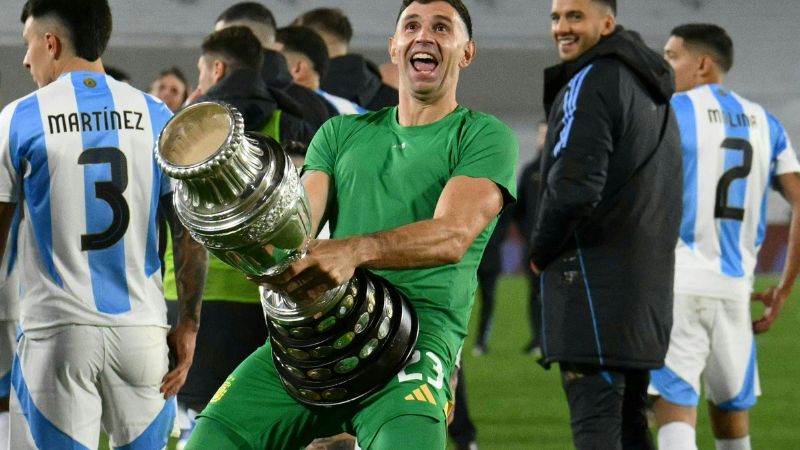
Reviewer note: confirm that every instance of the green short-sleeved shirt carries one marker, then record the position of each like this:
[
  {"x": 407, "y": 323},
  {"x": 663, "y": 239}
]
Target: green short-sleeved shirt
[{"x": 386, "y": 176}]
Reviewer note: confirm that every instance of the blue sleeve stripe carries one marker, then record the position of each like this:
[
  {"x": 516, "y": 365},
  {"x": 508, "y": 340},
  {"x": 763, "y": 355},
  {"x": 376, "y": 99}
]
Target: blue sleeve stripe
[
  {"x": 107, "y": 265},
  {"x": 152, "y": 263},
  {"x": 687, "y": 123},
  {"x": 730, "y": 230},
  {"x": 570, "y": 105},
  {"x": 31, "y": 147},
  {"x": 44, "y": 433}
]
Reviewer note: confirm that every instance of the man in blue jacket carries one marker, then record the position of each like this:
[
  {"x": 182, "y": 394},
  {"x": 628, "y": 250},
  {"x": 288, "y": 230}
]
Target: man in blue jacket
[{"x": 608, "y": 221}]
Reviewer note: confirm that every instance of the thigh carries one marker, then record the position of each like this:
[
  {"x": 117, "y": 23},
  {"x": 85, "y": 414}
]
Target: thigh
[
  {"x": 56, "y": 401},
  {"x": 678, "y": 381},
  {"x": 422, "y": 389},
  {"x": 731, "y": 376},
  {"x": 8, "y": 346},
  {"x": 135, "y": 413},
  {"x": 410, "y": 431},
  {"x": 252, "y": 410},
  {"x": 595, "y": 399}
]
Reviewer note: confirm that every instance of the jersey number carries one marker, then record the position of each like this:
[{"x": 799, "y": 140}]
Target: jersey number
[
  {"x": 721, "y": 208},
  {"x": 111, "y": 193},
  {"x": 437, "y": 382}
]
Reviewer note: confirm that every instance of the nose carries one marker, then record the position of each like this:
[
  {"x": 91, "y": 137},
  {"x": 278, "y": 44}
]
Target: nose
[
  {"x": 560, "y": 25},
  {"x": 424, "y": 35},
  {"x": 25, "y": 61}
]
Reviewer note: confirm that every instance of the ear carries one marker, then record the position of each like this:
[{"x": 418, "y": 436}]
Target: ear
[
  {"x": 54, "y": 46},
  {"x": 219, "y": 70},
  {"x": 393, "y": 51},
  {"x": 707, "y": 66},
  {"x": 468, "y": 55},
  {"x": 609, "y": 24}
]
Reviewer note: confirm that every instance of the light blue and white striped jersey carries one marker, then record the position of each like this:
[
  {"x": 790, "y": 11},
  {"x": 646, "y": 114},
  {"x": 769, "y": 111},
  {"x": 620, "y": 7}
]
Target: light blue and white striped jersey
[
  {"x": 342, "y": 105},
  {"x": 732, "y": 151},
  {"x": 78, "y": 154}
]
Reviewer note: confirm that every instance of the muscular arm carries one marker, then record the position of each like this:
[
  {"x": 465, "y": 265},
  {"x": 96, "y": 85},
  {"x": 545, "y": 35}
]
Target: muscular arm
[
  {"x": 191, "y": 265},
  {"x": 465, "y": 207},
  {"x": 775, "y": 296}
]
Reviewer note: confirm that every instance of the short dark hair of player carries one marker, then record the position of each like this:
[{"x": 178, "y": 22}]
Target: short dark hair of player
[
  {"x": 610, "y": 4},
  {"x": 307, "y": 42},
  {"x": 248, "y": 11},
  {"x": 237, "y": 46},
  {"x": 710, "y": 38},
  {"x": 460, "y": 8},
  {"x": 328, "y": 20},
  {"x": 117, "y": 74},
  {"x": 88, "y": 22}
]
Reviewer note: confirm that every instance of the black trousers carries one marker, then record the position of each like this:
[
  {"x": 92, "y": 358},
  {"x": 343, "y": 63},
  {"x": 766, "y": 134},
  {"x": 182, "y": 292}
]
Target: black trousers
[
  {"x": 607, "y": 407},
  {"x": 487, "y": 283}
]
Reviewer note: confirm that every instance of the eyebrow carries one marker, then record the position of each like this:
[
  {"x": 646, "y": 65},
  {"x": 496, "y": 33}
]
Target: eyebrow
[{"x": 417, "y": 16}]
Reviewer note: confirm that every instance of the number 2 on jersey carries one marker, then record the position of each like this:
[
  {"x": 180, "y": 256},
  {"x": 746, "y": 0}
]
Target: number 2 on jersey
[
  {"x": 722, "y": 209},
  {"x": 111, "y": 193}
]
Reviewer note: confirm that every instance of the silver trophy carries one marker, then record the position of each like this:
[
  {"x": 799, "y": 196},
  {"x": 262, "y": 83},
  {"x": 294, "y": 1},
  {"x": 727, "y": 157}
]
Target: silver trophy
[{"x": 240, "y": 196}]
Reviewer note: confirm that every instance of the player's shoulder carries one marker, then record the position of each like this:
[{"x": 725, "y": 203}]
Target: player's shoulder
[{"x": 483, "y": 122}]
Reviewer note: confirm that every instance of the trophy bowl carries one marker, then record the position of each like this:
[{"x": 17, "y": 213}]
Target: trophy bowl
[{"x": 240, "y": 196}]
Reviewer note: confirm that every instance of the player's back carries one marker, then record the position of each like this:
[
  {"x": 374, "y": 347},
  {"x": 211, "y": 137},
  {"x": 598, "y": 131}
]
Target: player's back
[
  {"x": 732, "y": 150},
  {"x": 82, "y": 149}
]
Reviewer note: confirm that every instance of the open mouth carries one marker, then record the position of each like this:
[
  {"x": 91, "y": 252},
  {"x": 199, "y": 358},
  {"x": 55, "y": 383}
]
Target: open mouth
[
  {"x": 567, "y": 42},
  {"x": 424, "y": 62}
]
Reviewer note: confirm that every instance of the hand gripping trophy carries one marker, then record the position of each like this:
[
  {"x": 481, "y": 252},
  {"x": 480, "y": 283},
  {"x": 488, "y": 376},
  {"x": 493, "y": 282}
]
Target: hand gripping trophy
[{"x": 240, "y": 196}]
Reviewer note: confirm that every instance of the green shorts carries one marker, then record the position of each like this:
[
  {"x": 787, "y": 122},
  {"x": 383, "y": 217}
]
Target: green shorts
[{"x": 252, "y": 409}]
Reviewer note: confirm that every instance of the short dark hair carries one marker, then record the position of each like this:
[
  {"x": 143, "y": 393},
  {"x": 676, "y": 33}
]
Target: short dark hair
[
  {"x": 328, "y": 20},
  {"x": 88, "y": 22},
  {"x": 611, "y": 4},
  {"x": 708, "y": 37},
  {"x": 237, "y": 45},
  {"x": 308, "y": 43},
  {"x": 460, "y": 8},
  {"x": 248, "y": 11}
]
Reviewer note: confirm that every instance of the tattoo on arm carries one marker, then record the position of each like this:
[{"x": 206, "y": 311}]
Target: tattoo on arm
[{"x": 191, "y": 264}]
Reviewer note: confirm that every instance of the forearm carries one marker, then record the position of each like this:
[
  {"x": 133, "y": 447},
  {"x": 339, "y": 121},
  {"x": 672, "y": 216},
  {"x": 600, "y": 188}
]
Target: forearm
[
  {"x": 191, "y": 266},
  {"x": 792, "y": 266},
  {"x": 427, "y": 243}
]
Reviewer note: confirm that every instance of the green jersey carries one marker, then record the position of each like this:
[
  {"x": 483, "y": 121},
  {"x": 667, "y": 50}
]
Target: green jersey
[{"x": 386, "y": 175}]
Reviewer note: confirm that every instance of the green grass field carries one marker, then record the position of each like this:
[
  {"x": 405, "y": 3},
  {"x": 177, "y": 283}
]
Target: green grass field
[{"x": 517, "y": 405}]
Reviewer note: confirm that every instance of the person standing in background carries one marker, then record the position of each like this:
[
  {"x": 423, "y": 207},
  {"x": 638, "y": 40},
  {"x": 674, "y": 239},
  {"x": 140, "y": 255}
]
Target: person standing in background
[
  {"x": 609, "y": 213},
  {"x": 733, "y": 151}
]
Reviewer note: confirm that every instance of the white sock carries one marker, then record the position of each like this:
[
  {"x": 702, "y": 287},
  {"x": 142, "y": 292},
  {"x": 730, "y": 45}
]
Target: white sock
[
  {"x": 733, "y": 444},
  {"x": 676, "y": 436},
  {"x": 4, "y": 437}
]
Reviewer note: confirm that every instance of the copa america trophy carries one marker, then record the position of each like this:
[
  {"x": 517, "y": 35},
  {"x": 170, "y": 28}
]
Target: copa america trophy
[{"x": 240, "y": 196}]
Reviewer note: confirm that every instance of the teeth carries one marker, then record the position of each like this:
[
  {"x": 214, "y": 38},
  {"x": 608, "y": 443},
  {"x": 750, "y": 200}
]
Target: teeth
[{"x": 424, "y": 56}]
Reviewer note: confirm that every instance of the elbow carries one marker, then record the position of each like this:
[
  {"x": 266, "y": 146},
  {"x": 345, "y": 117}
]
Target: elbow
[{"x": 457, "y": 247}]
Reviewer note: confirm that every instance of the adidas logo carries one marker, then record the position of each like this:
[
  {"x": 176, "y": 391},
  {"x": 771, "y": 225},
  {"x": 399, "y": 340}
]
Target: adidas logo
[{"x": 422, "y": 394}]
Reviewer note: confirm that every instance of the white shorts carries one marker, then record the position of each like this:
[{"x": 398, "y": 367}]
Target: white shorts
[
  {"x": 69, "y": 384},
  {"x": 711, "y": 337},
  {"x": 8, "y": 343}
]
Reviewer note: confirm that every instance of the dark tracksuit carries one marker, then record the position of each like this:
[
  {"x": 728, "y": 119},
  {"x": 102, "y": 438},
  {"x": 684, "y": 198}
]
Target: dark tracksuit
[
  {"x": 358, "y": 80},
  {"x": 609, "y": 214}
]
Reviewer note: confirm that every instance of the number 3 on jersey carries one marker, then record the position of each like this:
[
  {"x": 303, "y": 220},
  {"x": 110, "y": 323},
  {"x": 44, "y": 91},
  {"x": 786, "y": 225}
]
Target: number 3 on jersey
[
  {"x": 722, "y": 207},
  {"x": 111, "y": 193}
]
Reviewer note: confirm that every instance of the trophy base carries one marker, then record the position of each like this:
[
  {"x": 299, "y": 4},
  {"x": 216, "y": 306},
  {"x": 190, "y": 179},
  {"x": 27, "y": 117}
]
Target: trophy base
[{"x": 352, "y": 352}]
